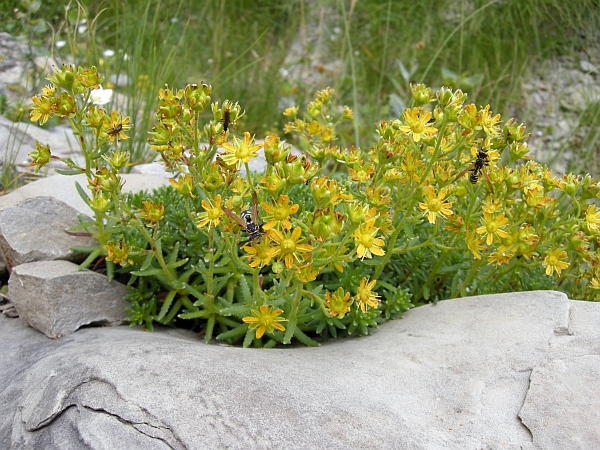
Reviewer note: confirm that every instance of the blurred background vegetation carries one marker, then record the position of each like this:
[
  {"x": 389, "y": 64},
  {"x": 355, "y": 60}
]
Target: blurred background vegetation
[{"x": 270, "y": 54}]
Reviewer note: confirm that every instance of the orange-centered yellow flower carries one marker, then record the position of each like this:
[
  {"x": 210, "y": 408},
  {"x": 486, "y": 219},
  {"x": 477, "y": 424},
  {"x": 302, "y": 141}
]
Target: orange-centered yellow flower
[
  {"x": 212, "y": 214},
  {"x": 288, "y": 246},
  {"x": 555, "y": 262},
  {"x": 435, "y": 205},
  {"x": 416, "y": 120},
  {"x": 365, "y": 241},
  {"x": 492, "y": 226},
  {"x": 265, "y": 320},
  {"x": 365, "y": 296},
  {"x": 240, "y": 151}
]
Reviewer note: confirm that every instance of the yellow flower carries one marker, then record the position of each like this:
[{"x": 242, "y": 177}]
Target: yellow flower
[
  {"x": 117, "y": 126},
  {"x": 365, "y": 296},
  {"x": 117, "y": 252},
  {"x": 258, "y": 253},
  {"x": 288, "y": 246},
  {"x": 241, "y": 151},
  {"x": 278, "y": 215},
  {"x": 338, "y": 303},
  {"x": 491, "y": 206},
  {"x": 489, "y": 123},
  {"x": 265, "y": 320},
  {"x": 474, "y": 244},
  {"x": 307, "y": 273},
  {"x": 435, "y": 205},
  {"x": 152, "y": 212},
  {"x": 42, "y": 110},
  {"x": 592, "y": 218},
  {"x": 500, "y": 258},
  {"x": 184, "y": 185},
  {"x": 416, "y": 124},
  {"x": 212, "y": 214},
  {"x": 366, "y": 243},
  {"x": 362, "y": 174},
  {"x": 555, "y": 261},
  {"x": 492, "y": 227}
]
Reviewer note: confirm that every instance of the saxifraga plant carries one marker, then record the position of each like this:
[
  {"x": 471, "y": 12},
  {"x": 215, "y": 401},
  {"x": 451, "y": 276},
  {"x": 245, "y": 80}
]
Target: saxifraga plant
[{"x": 441, "y": 206}]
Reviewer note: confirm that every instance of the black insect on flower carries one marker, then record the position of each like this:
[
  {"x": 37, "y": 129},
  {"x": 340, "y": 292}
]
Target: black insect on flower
[
  {"x": 247, "y": 219},
  {"x": 226, "y": 119},
  {"x": 478, "y": 168}
]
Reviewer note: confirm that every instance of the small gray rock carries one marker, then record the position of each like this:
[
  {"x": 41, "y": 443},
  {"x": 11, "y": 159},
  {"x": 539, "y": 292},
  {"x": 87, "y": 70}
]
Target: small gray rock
[
  {"x": 57, "y": 298},
  {"x": 34, "y": 230}
]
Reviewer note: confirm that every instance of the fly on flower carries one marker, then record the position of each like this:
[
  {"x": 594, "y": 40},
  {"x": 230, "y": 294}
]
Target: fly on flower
[
  {"x": 247, "y": 219},
  {"x": 477, "y": 168}
]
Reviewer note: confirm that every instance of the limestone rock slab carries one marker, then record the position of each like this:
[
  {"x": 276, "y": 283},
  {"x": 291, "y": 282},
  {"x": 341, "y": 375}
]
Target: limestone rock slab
[
  {"x": 34, "y": 230},
  {"x": 57, "y": 298},
  {"x": 451, "y": 376},
  {"x": 63, "y": 188},
  {"x": 562, "y": 407}
]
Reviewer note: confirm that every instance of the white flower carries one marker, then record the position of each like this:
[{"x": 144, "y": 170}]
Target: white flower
[
  {"x": 108, "y": 53},
  {"x": 60, "y": 44},
  {"x": 81, "y": 29},
  {"x": 101, "y": 96}
]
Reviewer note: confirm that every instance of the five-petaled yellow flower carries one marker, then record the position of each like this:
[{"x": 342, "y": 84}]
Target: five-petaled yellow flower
[
  {"x": 288, "y": 246},
  {"x": 258, "y": 254},
  {"x": 212, "y": 214},
  {"x": 492, "y": 227},
  {"x": 116, "y": 127},
  {"x": 42, "y": 109},
  {"x": 265, "y": 320},
  {"x": 555, "y": 262},
  {"x": 240, "y": 151},
  {"x": 365, "y": 296},
  {"x": 435, "y": 205},
  {"x": 416, "y": 120},
  {"x": 365, "y": 241},
  {"x": 277, "y": 216}
]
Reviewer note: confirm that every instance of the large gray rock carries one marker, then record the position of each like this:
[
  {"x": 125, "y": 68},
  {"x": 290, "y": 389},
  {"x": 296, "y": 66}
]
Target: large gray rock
[
  {"x": 34, "y": 230},
  {"x": 57, "y": 298},
  {"x": 63, "y": 188},
  {"x": 562, "y": 406},
  {"x": 451, "y": 376}
]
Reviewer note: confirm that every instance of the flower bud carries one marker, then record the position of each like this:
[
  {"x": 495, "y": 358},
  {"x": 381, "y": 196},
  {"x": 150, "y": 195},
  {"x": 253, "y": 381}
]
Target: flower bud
[
  {"x": 64, "y": 78},
  {"x": 89, "y": 78},
  {"x": 293, "y": 170},
  {"x": 272, "y": 181},
  {"x": 212, "y": 178},
  {"x": 327, "y": 223},
  {"x": 65, "y": 105},
  {"x": 421, "y": 94},
  {"x": 99, "y": 202},
  {"x": 169, "y": 103},
  {"x": 117, "y": 159},
  {"x": 197, "y": 97},
  {"x": 40, "y": 156}
]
